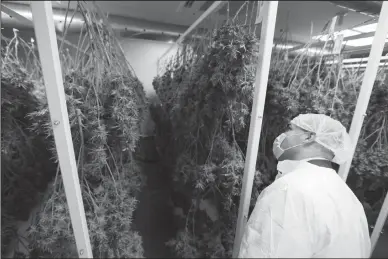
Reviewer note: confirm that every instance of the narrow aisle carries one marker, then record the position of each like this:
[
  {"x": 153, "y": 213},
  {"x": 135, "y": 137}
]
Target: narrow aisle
[{"x": 154, "y": 215}]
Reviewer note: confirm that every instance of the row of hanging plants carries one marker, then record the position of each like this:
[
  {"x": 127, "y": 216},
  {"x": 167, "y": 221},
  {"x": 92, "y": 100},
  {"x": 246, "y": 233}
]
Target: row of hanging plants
[
  {"x": 25, "y": 167},
  {"x": 105, "y": 103},
  {"x": 203, "y": 123}
]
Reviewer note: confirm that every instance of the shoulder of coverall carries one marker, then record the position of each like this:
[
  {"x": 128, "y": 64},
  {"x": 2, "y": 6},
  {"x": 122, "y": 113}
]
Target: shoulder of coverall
[{"x": 303, "y": 179}]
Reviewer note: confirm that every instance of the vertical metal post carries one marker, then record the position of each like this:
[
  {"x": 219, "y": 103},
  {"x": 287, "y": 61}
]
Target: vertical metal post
[
  {"x": 264, "y": 59},
  {"x": 362, "y": 105},
  {"x": 381, "y": 219},
  {"x": 49, "y": 57},
  {"x": 367, "y": 85}
]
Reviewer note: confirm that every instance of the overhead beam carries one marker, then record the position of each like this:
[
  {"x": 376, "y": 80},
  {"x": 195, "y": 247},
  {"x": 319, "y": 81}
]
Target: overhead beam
[
  {"x": 371, "y": 8},
  {"x": 18, "y": 16},
  {"x": 210, "y": 10},
  {"x": 59, "y": 16},
  {"x": 124, "y": 26}
]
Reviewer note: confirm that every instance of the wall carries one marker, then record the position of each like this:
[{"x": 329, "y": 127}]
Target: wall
[{"x": 143, "y": 56}]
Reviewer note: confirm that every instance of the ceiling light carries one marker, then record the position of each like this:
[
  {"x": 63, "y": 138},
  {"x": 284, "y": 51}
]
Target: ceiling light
[
  {"x": 346, "y": 33},
  {"x": 354, "y": 60},
  {"x": 366, "y": 28},
  {"x": 353, "y": 10},
  {"x": 314, "y": 51},
  {"x": 170, "y": 41},
  {"x": 283, "y": 46},
  {"x": 361, "y": 42},
  {"x": 382, "y": 64}
]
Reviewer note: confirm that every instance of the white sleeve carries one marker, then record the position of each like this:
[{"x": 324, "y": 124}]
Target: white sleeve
[{"x": 279, "y": 227}]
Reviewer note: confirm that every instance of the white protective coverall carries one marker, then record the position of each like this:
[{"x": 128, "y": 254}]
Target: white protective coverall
[{"x": 307, "y": 212}]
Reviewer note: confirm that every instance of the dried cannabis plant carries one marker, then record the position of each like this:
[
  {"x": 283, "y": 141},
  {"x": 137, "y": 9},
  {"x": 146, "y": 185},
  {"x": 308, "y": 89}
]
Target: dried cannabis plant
[
  {"x": 206, "y": 103},
  {"x": 209, "y": 116},
  {"x": 25, "y": 168},
  {"x": 105, "y": 103}
]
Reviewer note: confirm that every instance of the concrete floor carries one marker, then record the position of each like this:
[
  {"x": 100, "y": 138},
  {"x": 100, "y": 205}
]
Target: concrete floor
[{"x": 154, "y": 214}]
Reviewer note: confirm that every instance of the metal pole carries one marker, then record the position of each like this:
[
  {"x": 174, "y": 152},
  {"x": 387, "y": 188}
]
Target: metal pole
[
  {"x": 49, "y": 57},
  {"x": 210, "y": 10},
  {"x": 264, "y": 59},
  {"x": 381, "y": 219},
  {"x": 367, "y": 85}
]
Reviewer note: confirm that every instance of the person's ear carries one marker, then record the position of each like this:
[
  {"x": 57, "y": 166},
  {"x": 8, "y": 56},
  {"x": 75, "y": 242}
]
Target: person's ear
[{"x": 310, "y": 137}]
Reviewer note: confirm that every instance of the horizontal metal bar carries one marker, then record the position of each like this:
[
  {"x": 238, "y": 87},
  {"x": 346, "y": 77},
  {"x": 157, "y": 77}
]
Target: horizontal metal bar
[{"x": 210, "y": 10}]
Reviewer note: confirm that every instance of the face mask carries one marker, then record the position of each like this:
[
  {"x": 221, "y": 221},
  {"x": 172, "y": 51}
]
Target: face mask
[{"x": 278, "y": 150}]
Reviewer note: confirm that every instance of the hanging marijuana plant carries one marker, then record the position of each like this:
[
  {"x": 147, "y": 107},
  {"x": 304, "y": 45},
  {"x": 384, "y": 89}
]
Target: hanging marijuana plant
[
  {"x": 25, "y": 168},
  {"x": 105, "y": 103},
  {"x": 205, "y": 107},
  {"x": 209, "y": 115}
]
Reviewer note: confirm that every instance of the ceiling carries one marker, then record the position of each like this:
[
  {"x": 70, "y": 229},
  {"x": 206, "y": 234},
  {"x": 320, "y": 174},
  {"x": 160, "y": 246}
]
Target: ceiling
[
  {"x": 297, "y": 15},
  {"x": 158, "y": 11},
  {"x": 299, "y": 18}
]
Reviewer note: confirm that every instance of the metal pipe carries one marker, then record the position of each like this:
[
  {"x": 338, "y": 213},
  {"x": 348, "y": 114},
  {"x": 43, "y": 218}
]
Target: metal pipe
[
  {"x": 28, "y": 21},
  {"x": 117, "y": 22},
  {"x": 25, "y": 11},
  {"x": 210, "y": 10},
  {"x": 134, "y": 29}
]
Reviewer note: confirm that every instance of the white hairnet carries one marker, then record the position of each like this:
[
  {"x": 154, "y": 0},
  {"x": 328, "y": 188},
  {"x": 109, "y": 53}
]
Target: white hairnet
[{"x": 329, "y": 133}]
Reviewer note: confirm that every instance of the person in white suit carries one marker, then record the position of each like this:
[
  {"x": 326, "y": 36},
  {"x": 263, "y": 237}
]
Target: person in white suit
[{"x": 308, "y": 211}]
